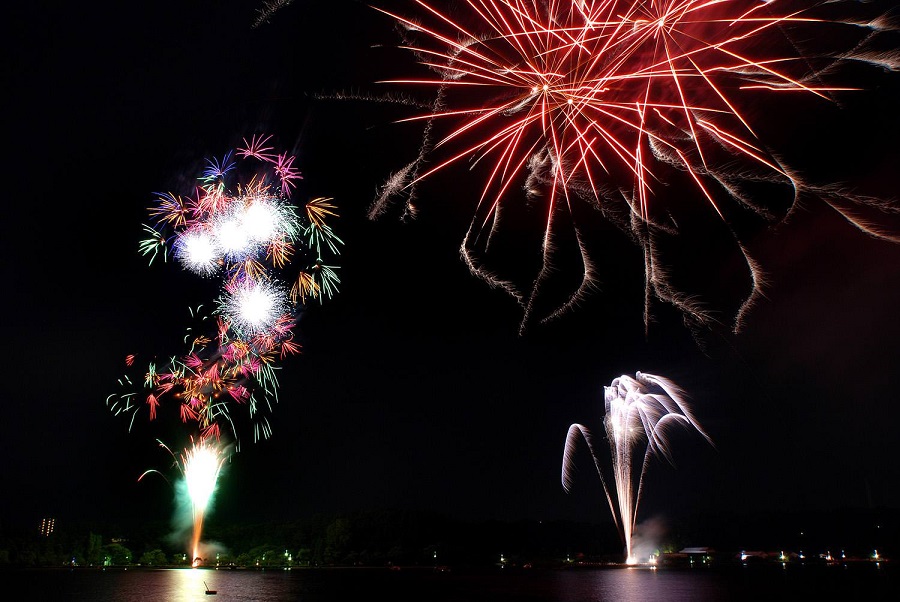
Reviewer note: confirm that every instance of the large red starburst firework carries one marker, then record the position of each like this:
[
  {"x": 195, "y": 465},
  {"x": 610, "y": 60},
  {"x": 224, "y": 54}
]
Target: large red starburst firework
[{"x": 616, "y": 102}]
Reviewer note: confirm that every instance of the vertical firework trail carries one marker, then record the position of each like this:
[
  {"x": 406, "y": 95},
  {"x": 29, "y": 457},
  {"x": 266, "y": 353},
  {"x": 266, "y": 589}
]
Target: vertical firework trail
[
  {"x": 200, "y": 466},
  {"x": 639, "y": 409}
]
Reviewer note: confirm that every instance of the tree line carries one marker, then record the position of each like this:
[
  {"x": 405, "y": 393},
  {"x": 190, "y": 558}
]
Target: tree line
[
  {"x": 374, "y": 538},
  {"x": 408, "y": 538}
]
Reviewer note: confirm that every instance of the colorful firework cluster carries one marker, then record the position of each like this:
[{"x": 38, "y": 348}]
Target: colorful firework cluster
[
  {"x": 638, "y": 107},
  {"x": 240, "y": 226}
]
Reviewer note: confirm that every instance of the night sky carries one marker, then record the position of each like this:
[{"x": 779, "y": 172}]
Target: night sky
[{"x": 416, "y": 388}]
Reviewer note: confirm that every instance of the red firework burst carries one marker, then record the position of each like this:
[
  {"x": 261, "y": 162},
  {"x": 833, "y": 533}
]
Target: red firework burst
[{"x": 610, "y": 101}]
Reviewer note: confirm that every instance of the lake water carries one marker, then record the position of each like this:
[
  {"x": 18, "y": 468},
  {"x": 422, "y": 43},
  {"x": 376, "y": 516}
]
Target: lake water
[{"x": 866, "y": 582}]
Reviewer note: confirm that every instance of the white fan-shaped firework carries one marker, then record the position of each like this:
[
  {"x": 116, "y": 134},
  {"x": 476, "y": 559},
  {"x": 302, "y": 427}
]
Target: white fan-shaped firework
[{"x": 639, "y": 409}]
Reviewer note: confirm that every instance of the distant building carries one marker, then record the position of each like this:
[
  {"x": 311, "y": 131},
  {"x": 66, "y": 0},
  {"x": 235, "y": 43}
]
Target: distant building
[
  {"x": 47, "y": 525},
  {"x": 688, "y": 557}
]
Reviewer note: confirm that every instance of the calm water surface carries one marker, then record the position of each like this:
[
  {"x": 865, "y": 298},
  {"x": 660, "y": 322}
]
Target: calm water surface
[{"x": 422, "y": 585}]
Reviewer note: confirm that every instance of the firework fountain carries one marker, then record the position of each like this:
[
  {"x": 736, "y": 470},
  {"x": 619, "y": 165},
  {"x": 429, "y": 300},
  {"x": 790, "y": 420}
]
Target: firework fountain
[
  {"x": 199, "y": 466},
  {"x": 639, "y": 410},
  {"x": 202, "y": 464}
]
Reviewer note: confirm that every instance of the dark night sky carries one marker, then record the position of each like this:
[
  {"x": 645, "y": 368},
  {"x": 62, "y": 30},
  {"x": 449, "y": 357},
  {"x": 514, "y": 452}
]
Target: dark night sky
[{"x": 415, "y": 388}]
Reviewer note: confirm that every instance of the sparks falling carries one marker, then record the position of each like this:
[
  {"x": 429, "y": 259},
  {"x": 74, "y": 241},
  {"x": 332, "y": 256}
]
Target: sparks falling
[
  {"x": 617, "y": 103},
  {"x": 639, "y": 410}
]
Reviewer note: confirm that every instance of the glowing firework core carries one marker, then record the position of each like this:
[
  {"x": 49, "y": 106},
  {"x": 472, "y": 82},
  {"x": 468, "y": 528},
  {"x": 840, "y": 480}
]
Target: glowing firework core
[
  {"x": 201, "y": 470},
  {"x": 261, "y": 220},
  {"x": 198, "y": 252},
  {"x": 234, "y": 240}
]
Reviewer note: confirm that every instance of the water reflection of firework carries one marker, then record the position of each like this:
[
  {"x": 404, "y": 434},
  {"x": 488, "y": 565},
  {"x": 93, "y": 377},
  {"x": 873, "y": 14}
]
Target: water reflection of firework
[{"x": 639, "y": 410}]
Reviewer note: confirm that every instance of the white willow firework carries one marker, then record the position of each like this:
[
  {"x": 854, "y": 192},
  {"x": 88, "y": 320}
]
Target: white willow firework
[{"x": 639, "y": 410}]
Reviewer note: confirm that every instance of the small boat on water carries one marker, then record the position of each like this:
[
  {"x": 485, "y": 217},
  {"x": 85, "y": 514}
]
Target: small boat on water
[{"x": 209, "y": 592}]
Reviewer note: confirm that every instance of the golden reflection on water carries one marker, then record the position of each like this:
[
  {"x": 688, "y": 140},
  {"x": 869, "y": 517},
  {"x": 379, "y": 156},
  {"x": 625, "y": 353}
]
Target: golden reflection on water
[{"x": 191, "y": 584}]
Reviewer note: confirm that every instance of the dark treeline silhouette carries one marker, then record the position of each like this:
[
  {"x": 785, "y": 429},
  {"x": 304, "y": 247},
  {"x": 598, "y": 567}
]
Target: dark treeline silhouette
[
  {"x": 373, "y": 538},
  {"x": 406, "y": 538}
]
